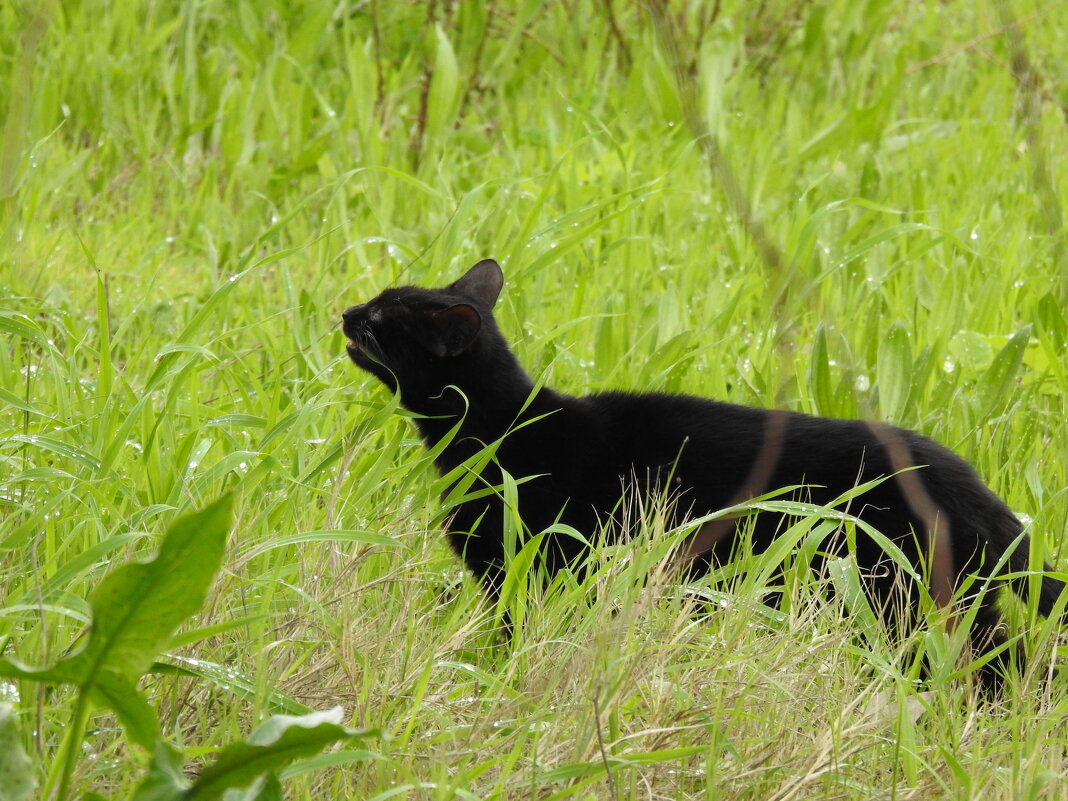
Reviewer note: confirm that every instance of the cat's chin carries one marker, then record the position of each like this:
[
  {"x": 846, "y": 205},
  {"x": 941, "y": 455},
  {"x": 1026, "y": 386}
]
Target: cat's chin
[
  {"x": 357, "y": 354},
  {"x": 362, "y": 359}
]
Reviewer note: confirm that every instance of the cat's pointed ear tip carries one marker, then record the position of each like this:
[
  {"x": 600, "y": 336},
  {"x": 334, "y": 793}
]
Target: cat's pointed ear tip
[
  {"x": 481, "y": 283},
  {"x": 485, "y": 264}
]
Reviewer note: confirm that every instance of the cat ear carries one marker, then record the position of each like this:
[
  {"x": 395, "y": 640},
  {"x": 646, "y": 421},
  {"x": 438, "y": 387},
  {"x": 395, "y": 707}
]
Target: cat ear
[
  {"x": 459, "y": 325},
  {"x": 482, "y": 283}
]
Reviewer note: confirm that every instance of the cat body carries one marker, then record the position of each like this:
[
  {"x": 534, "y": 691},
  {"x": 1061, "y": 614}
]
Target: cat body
[{"x": 579, "y": 455}]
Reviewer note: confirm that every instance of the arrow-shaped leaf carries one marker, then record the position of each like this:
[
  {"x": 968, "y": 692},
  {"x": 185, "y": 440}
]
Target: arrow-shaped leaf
[
  {"x": 275, "y": 743},
  {"x": 135, "y": 609}
]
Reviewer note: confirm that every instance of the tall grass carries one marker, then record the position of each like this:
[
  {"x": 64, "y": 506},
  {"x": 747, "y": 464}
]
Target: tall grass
[{"x": 192, "y": 191}]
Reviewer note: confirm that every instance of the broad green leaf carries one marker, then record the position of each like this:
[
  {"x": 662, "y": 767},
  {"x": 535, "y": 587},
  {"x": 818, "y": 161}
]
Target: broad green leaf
[
  {"x": 1051, "y": 320},
  {"x": 716, "y": 66},
  {"x": 895, "y": 372},
  {"x": 997, "y": 380},
  {"x": 303, "y": 42},
  {"x": 266, "y": 788},
  {"x": 273, "y": 745},
  {"x": 16, "y": 771},
  {"x": 135, "y": 610},
  {"x": 819, "y": 375},
  {"x": 230, "y": 679},
  {"x": 137, "y": 607},
  {"x": 444, "y": 87},
  {"x": 667, "y": 357},
  {"x": 971, "y": 350},
  {"x": 121, "y": 696},
  {"x": 165, "y": 780}
]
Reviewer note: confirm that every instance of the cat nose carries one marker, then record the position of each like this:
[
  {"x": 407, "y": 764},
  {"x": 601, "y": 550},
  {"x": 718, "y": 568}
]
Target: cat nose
[{"x": 352, "y": 312}]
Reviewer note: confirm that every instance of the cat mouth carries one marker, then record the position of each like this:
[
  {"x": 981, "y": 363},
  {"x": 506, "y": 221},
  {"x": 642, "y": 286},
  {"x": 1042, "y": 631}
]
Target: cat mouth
[
  {"x": 361, "y": 344},
  {"x": 356, "y": 351},
  {"x": 362, "y": 354}
]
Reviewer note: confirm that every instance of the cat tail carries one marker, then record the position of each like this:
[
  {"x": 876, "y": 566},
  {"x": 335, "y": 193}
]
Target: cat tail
[{"x": 1050, "y": 589}]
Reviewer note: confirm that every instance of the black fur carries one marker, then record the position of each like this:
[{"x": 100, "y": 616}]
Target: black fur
[{"x": 583, "y": 450}]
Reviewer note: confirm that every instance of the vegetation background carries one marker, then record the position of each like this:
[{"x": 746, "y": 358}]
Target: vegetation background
[{"x": 844, "y": 207}]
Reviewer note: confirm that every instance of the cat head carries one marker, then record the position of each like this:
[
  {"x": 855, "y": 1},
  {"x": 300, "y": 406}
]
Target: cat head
[{"x": 421, "y": 340}]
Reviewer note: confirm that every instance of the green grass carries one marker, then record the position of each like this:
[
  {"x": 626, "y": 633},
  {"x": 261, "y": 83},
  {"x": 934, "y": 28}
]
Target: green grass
[{"x": 191, "y": 192}]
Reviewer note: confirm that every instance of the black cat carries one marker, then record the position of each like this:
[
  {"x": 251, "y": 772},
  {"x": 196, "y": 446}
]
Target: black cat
[{"x": 442, "y": 350}]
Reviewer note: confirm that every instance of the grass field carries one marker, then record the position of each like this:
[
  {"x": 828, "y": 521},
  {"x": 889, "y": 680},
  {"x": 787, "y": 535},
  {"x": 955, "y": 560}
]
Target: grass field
[{"x": 845, "y": 208}]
